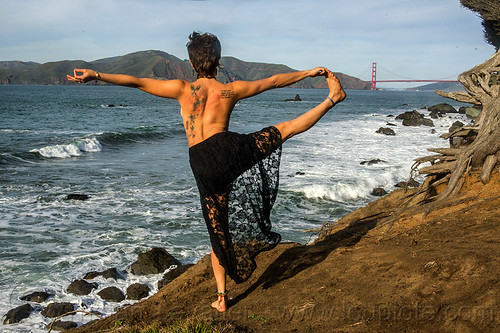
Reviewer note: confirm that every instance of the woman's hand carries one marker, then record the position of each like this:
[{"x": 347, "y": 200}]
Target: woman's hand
[
  {"x": 318, "y": 71},
  {"x": 83, "y": 75}
]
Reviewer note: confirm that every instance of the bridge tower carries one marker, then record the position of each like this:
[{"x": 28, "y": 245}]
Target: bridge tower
[{"x": 374, "y": 76}]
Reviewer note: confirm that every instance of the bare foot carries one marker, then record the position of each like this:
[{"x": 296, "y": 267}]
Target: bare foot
[
  {"x": 336, "y": 92},
  {"x": 220, "y": 304}
]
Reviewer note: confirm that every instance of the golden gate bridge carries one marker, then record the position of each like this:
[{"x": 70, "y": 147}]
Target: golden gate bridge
[{"x": 374, "y": 79}]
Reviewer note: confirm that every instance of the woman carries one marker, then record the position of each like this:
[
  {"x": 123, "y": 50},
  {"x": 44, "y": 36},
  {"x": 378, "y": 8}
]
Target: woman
[{"x": 236, "y": 174}]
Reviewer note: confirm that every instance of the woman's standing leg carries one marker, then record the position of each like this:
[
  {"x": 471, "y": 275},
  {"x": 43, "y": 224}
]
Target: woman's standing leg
[{"x": 220, "y": 278}]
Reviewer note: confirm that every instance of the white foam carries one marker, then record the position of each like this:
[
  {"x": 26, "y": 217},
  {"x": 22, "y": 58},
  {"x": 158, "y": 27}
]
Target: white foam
[{"x": 73, "y": 149}]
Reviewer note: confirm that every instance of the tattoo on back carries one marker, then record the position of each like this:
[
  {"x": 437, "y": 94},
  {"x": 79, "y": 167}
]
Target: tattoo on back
[
  {"x": 226, "y": 93},
  {"x": 189, "y": 125},
  {"x": 194, "y": 89}
]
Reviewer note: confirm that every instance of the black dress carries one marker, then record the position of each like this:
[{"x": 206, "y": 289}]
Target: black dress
[{"x": 237, "y": 176}]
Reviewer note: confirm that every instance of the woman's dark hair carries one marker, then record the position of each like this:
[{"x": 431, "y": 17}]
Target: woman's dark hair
[{"x": 204, "y": 52}]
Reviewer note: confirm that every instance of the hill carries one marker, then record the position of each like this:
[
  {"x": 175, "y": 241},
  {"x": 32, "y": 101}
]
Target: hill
[
  {"x": 443, "y": 86},
  {"x": 154, "y": 64}
]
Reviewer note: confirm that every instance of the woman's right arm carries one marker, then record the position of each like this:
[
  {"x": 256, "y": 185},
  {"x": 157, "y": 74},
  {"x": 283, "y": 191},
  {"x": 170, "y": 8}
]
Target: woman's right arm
[{"x": 163, "y": 88}]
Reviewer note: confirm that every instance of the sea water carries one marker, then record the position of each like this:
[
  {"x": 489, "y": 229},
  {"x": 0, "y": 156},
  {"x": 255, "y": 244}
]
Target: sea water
[{"x": 127, "y": 151}]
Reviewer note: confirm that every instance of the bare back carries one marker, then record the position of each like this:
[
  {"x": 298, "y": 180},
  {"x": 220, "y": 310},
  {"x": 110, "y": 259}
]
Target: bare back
[{"x": 206, "y": 106}]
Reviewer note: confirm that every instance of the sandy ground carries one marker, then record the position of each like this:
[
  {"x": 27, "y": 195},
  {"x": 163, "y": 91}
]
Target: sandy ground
[{"x": 438, "y": 272}]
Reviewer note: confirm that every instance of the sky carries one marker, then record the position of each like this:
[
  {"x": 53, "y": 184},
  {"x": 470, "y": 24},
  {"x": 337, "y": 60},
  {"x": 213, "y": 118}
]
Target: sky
[{"x": 419, "y": 39}]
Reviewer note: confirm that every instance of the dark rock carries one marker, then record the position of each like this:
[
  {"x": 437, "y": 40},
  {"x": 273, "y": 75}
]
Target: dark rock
[
  {"x": 62, "y": 325},
  {"x": 111, "y": 294},
  {"x": 379, "y": 192},
  {"x": 111, "y": 273},
  {"x": 414, "y": 118},
  {"x": 76, "y": 196},
  {"x": 296, "y": 99},
  {"x": 374, "y": 161},
  {"x": 37, "y": 297},
  {"x": 427, "y": 122},
  {"x": 110, "y": 105},
  {"x": 137, "y": 291},
  {"x": 412, "y": 183},
  {"x": 299, "y": 173},
  {"x": 57, "y": 309},
  {"x": 472, "y": 113},
  {"x": 461, "y": 109},
  {"x": 171, "y": 275},
  {"x": 386, "y": 131},
  {"x": 390, "y": 115},
  {"x": 81, "y": 287},
  {"x": 409, "y": 115},
  {"x": 391, "y": 124},
  {"x": 433, "y": 131},
  {"x": 436, "y": 114},
  {"x": 455, "y": 126},
  {"x": 443, "y": 108},
  {"x": 17, "y": 314},
  {"x": 155, "y": 261}
]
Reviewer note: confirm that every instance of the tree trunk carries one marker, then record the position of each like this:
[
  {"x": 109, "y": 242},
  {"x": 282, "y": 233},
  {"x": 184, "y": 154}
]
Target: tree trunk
[{"x": 483, "y": 89}]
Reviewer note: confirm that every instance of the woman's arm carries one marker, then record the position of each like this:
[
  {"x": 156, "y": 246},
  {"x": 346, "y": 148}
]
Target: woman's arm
[
  {"x": 244, "y": 89},
  {"x": 163, "y": 88}
]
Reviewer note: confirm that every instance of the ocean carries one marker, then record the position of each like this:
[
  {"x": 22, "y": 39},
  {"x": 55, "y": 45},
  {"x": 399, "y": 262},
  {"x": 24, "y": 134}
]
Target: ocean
[{"x": 127, "y": 151}]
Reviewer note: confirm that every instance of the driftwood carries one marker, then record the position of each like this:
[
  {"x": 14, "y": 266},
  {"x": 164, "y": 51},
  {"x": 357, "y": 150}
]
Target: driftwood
[
  {"x": 483, "y": 89},
  {"x": 479, "y": 150}
]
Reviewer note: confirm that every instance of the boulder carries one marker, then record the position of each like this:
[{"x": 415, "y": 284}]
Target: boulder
[
  {"x": 472, "y": 113},
  {"x": 57, "y": 309},
  {"x": 436, "y": 114},
  {"x": 62, "y": 325},
  {"x": 456, "y": 125},
  {"x": 371, "y": 162},
  {"x": 386, "y": 131},
  {"x": 171, "y": 275},
  {"x": 155, "y": 261},
  {"x": 296, "y": 99},
  {"x": 77, "y": 196},
  {"x": 414, "y": 118},
  {"x": 443, "y": 108},
  {"x": 36, "y": 297},
  {"x": 17, "y": 314},
  {"x": 379, "y": 192},
  {"x": 137, "y": 291},
  {"x": 111, "y": 294},
  {"x": 111, "y": 273},
  {"x": 81, "y": 287},
  {"x": 409, "y": 184}
]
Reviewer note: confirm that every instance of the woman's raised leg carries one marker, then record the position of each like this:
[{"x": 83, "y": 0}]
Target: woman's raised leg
[{"x": 311, "y": 117}]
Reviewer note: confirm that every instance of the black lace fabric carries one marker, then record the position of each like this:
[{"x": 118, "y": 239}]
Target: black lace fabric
[{"x": 237, "y": 176}]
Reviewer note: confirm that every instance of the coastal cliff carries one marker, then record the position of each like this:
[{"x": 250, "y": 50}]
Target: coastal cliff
[{"x": 425, "y": 271}]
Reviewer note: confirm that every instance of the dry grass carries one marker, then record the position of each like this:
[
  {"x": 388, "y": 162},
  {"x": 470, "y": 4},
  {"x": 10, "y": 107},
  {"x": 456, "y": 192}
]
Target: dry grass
[{"x": 189, "y": 325}]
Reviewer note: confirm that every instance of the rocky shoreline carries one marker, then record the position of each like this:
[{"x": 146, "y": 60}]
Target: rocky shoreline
[{"x": 153, "y": 262}]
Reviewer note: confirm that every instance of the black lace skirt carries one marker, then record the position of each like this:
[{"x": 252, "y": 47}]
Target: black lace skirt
[{"x": 237, "y": 176}]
